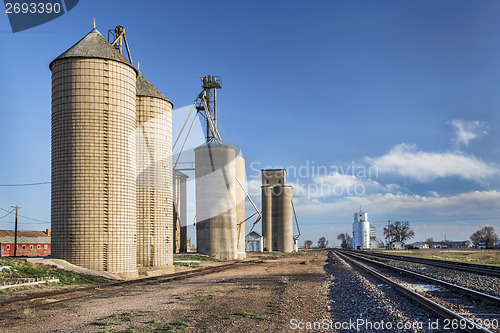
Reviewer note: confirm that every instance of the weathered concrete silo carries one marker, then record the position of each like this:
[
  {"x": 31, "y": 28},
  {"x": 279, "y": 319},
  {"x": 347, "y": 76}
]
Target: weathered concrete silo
[
  {"x": 180, "y": 212},
  {"x": 94, "y": 157},
  {"x": 277, "y": 211},
  {"x": 215, "y": 170},
  {"x": 240, "y": 206},
  {"x": 154, "y": 177},
  {"x": 282, "y": 218},
  {"x": 267, "y": 217}
]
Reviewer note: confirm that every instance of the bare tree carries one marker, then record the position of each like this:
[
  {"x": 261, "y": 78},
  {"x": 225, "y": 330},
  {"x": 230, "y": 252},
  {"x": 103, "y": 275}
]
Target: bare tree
[
  {"x": 487, "y": 235},
  {"x": 308, "y": 243},
  {"x": 429, "y": 242},
  {"x": 322, "y": 243},
  {"x": 345, "y": 240},
  {"x": 399, "y": 231}
]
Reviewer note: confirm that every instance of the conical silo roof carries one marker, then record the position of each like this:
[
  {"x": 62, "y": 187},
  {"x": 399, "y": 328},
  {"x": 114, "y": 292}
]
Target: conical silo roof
[
  {"x": 216, "y": 143},
  {"x": 146, "y": 88},
  {"x": 93, "y": 45}
]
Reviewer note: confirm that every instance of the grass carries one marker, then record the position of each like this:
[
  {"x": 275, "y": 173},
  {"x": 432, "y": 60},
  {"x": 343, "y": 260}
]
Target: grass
[
  {"x": 179, "y": 325},
  {"x": 188, "y": 264},
  {"x": 194, "y": 257},
  {"x": 473, "y": 256},
  {"x": 104, "y": 323},
  {"x": 22, "y": 269},
  {"x": 251, "y": 315}
]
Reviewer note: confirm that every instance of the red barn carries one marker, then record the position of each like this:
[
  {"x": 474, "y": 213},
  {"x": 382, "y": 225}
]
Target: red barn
[{"x": 29, "y": 243}]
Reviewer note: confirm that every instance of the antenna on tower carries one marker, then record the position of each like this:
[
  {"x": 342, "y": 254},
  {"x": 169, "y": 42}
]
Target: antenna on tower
[{"x": 94, "y": 22}]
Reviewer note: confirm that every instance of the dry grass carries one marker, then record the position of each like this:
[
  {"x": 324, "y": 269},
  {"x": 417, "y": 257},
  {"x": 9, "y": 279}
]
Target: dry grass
[{"x": 491, "y": 257}]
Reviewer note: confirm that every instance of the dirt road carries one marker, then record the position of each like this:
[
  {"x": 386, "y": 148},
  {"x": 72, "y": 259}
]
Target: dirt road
[{"x": 271, "y": 296}]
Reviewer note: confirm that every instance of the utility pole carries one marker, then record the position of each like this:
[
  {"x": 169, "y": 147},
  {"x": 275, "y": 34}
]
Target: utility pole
[
  {"x": 389, "y": 229},
  {"x": 15, "y": 232}
]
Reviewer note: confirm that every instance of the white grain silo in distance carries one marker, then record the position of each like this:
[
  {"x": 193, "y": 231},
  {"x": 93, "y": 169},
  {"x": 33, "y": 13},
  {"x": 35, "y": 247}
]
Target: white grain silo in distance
[
  {"x": 216, "y": 226},
  {"x": 93, "y": 189},
  {"x": 154, "y": 177},
  {"x": 361, "y": 231}
]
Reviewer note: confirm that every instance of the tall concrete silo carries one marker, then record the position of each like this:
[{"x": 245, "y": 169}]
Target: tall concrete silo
[
  {"x": 94, "y": 157},
  {"x": 240, "y": 206},
  {"x": 154, "y": 177},
  {"x": 216, "y": 226},
  {"x": 282, "y": 218},
  {"x": 180, "y": 212},
  {"x": 277, "y": 211},
  {"x": 267, "y": 217}
]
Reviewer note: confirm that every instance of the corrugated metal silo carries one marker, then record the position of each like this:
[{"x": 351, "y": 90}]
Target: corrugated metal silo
[
  {"x": 180, "y": 212},
  {"x": 215, "y": 171},
  {"x": 282, "y": 218},
  {"x": 154, "y": 176},
  {"x": 93, "y": 157},
  {"x": 240, "y": 206}
]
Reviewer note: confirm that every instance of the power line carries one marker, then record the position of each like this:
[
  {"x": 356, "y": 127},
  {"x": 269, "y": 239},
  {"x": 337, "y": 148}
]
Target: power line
[
  {"x": 23, "y": 223},
  {"x": 7, "y": 214},
  {"x": 29, "y": 218},
  {"x": 28, "y": 184}
]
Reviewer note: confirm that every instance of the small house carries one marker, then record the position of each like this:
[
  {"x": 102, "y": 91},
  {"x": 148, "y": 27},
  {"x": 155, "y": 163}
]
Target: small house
[{"x": 254, "y": 242}]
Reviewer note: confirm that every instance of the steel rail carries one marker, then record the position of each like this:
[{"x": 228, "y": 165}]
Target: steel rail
[
  {"x": 433, "y": 306},
  {"x": 458, "y": 265},
  {"x": 466, "y": 291},
  {"x": 110, "y": 287}
]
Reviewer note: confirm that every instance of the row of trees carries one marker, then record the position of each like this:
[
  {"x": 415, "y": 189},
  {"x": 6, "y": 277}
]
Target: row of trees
[
  {"x": 322, "y": 243},
  {"x": 485, "y": 235}
]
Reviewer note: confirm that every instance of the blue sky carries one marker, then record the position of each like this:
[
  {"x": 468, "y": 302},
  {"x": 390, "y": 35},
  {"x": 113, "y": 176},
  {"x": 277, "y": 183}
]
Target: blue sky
[{"x": 406, "y": 89}]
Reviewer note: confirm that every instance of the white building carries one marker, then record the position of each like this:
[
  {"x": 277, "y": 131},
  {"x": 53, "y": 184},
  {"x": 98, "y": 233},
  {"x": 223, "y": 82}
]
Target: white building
[
  {"x": 364, "y": 234},
  {"x": 361, "y": 231},
  {"x": 254, "y": 242}
]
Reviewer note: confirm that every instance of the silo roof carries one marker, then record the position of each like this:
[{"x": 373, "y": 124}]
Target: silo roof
[
  {"x": 93, "y": 45},
  {"x": 214, "y": 142},
  {"x": 146, "y": 88}
]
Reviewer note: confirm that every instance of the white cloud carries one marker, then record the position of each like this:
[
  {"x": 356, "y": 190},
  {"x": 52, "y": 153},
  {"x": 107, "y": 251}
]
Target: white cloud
[
  {"x": 466, "y": 131},
  {"x": 405, "y": 160},
  {"x": 339, "y": 185},
  {"x": 477, "y": 202}
]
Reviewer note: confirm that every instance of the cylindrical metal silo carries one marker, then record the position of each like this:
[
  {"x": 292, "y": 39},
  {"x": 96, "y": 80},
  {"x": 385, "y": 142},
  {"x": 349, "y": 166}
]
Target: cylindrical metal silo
[
  {"x": 180, "y": 211},
  {"x": 283, "y": 217},
  {"x": 154, "y": 177},
  {"x": 240, "y": 206},
  {"x": 215, "y": 171},
  {"x": 94, "y": 157},
  {"x": 267, "y": 217}
]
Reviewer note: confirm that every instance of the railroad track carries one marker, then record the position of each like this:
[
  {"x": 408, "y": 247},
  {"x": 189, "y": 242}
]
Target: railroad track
[
  {"x": 462, "y": 309},
  {"x": 49, "y": 299},
  {"x": 457, "y": 265}
]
